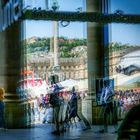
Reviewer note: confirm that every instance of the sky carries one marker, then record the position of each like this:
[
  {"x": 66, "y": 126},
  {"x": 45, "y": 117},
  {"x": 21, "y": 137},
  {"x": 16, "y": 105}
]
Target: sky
[
  {"x": 44, "y": 28},
  {"x": 123, "y": 33},
  {"x": 126, "y": 33}
]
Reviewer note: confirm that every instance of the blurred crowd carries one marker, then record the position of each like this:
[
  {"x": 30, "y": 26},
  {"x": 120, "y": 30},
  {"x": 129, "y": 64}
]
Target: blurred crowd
[
  {"x": 126, "y": 99},
  {"x": 60, "y": 107},
  {"x": 43, "y": 108}
]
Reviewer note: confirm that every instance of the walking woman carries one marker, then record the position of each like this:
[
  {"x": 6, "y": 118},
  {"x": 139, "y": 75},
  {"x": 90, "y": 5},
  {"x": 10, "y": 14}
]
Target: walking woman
[{"x": 2, "y": 120}]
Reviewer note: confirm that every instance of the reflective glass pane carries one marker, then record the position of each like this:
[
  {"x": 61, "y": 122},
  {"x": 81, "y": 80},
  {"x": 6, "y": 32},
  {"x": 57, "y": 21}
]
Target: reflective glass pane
[{"x": 62, "y": 5}]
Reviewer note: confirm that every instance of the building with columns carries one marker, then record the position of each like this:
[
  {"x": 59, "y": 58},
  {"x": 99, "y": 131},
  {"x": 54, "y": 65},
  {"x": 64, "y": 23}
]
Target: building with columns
[{"x": 70, "y": 68}]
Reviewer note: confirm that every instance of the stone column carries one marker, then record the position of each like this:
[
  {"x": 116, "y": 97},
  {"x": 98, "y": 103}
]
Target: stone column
[
  {"x": 95, "y": 59},
  {"x": 17, "y": 108},
  {"x": 55, "y": 42}
]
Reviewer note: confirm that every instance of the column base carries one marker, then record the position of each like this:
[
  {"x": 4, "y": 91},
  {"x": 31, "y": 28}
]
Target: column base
[
  {"x": 19, "y": 114},
  {"x": 91, "y": 111}
]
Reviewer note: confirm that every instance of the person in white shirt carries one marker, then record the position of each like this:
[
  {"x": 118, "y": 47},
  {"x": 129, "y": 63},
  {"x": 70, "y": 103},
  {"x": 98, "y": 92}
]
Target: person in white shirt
[{"x": 108, "y": 106}]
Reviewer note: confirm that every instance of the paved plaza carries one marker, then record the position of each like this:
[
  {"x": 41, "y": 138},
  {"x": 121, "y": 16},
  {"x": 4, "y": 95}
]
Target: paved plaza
[{"x": 43, "y": 132}]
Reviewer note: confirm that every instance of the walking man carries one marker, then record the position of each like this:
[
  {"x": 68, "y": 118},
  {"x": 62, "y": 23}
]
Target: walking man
[
  {"x": 74, "y": 112},
  {"x": 57, "y": 104}
]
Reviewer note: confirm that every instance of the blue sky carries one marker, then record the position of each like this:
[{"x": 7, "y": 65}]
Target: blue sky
[
  {"x": 128, "y": 6},
  {"x": 44, "y": 28},
  {"x": 124, "y": 33}
]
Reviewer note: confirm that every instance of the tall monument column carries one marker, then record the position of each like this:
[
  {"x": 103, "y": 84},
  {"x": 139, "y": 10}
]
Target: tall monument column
[
  {"x": 55, "y": 42},
  {"x": 95, "y": 54}
]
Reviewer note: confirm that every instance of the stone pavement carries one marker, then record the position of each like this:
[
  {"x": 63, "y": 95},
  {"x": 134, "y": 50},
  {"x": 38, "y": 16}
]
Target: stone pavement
[{"x": 43, "y": 132}]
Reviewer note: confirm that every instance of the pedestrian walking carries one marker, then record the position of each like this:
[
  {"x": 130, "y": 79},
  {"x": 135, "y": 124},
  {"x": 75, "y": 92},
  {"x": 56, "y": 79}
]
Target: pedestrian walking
[
  {"x": 57, "y": 104},
  {"x": 74, "y": 112}
]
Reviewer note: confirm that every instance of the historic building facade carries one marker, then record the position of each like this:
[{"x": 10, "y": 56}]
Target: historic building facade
[{"x": 70, "y": 68}]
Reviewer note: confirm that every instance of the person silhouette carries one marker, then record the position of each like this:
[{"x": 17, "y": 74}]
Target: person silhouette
[
  {"x": 74, "y": 112},
  {"x": 2, "y": 105},
  {"x": 108, "y": 106}
]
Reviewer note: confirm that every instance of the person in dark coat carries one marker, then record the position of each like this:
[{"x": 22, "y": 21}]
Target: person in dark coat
[
  {"x": 130, "y": 126},
  {"x": 74, "y": 112},
  {"x": 73, "y": 103},
  {"x": 57, "y": 104}
]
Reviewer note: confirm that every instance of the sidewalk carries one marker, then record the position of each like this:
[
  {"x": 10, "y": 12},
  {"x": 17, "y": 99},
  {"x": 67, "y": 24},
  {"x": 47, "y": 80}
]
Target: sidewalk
[{"x": 43, "y": 132}]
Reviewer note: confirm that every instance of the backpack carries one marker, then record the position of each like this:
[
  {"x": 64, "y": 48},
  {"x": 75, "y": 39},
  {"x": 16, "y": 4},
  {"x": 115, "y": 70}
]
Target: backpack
[{"x": 54, "y": 99}]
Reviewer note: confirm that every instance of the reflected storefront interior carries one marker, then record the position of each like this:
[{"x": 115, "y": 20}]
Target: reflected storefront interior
[{"x": 73, "y": 53}]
